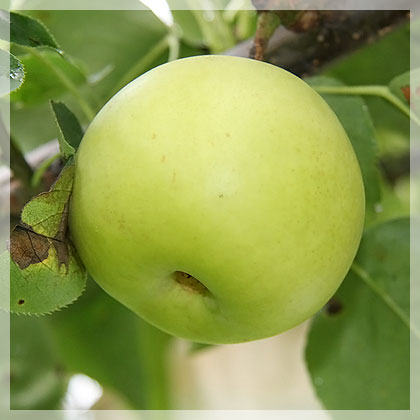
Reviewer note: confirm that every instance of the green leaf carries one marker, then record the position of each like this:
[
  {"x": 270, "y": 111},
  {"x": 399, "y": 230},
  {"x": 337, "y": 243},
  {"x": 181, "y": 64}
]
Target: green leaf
[
  {"x": 103, "y": 339},
  {"x": 128, "y": 36},
  {"x": 12, "y": 74},
  {"x": 24, "y": 30},
  {"x": 355, "y": 118},
  {"x": 45, "y": 271},
  {"x": 45, "y": 287},
  {"x": 395, "y": 201},
  {"x": 46, "y": 214},
  {"x": 371, "y": 65},
  {"x": 42, "y": 82},
  {"x": 358, "y": 349},
  {"x": 406, "y": 88},
  {"x": 69, "y": 129},
  {"x": 37, "y": 379},
  {"x": 400, "y": 86}
]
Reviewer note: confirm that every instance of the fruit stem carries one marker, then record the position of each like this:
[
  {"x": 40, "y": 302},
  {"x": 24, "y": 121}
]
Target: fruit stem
[
  {"x": 267, "y": 23},
  {"x": 370, "y": 90}
]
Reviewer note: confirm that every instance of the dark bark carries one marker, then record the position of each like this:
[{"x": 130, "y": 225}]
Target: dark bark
[{"x": 336, "y": 34}]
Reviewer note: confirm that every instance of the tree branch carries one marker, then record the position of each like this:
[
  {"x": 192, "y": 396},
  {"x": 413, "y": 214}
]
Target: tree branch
[{"x": 335, "y": 34}]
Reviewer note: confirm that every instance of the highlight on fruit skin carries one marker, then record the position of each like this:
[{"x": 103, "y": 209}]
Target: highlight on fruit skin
[{"x": 219, "y": 198}]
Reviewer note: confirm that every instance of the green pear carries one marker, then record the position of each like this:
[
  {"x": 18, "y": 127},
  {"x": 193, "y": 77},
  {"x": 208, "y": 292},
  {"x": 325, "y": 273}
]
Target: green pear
[{"x": 219, "y": 198}]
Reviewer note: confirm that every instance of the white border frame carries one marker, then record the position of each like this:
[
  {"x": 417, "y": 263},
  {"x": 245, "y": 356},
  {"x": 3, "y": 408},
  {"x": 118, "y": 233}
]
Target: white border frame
[{"x": 413, "y": 413}]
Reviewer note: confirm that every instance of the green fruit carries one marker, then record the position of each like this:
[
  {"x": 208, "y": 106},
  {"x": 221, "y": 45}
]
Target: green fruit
[{"x": 219, "y": 198}]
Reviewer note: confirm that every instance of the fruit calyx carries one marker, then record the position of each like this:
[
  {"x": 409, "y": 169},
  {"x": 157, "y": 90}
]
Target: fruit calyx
[{"x": 190, "y": 283}]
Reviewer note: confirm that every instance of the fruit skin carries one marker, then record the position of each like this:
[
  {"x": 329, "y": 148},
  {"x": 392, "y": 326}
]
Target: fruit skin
[{"x": 231, "y": 170}]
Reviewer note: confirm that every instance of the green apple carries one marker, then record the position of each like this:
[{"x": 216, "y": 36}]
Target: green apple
[{"x": 219, "y": 198}]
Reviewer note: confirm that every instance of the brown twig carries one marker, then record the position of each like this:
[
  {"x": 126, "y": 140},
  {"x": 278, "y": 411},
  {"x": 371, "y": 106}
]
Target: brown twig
[
  {"x": 268, "y": 21},
  {"x": 266, "y": 25}
]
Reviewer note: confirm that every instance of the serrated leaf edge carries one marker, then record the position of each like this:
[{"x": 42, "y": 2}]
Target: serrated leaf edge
[{"x": 58, "y": 309}]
